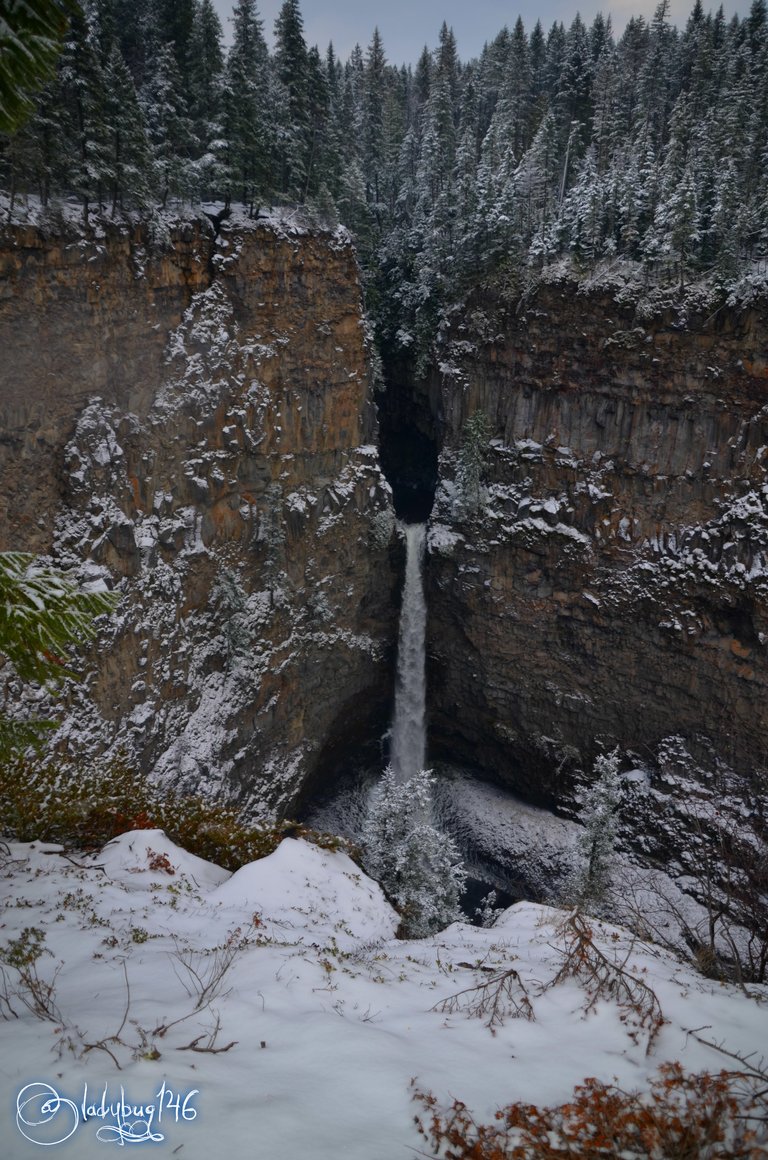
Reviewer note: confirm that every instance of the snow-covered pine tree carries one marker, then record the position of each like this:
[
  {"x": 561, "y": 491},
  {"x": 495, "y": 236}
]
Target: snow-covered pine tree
[
  {"x": 83, "y": 116},
  {"x": 598, "y": 838},
  {"x": 127, "y": 146},
  {"x": 291, "y": 65},
  {"x": 417, "y": 865},
  {"x": 248, "y": 124},
  {"x": 206, "y": 82},
  {"x": 169, "y": 126},
  {"x": 374, "y": 96}
]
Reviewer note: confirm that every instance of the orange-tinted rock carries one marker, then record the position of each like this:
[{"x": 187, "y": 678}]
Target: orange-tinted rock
[
  {"x": 619, "y": 575},
  {"x": 199, "y": 422}
]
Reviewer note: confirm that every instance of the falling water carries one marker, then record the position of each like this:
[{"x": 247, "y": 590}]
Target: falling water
[{"x": 409, "y": 735}]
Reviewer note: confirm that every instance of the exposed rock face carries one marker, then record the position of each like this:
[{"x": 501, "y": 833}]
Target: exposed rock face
[
  {"x": 613, "y": 588},
  {"x": 208, "y": 414},
  {"x": 80, "y": 316}
]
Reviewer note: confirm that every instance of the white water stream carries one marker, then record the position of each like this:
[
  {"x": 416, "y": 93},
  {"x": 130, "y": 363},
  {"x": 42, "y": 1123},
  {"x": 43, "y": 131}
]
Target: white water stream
[{"x": 409, "y": 734}]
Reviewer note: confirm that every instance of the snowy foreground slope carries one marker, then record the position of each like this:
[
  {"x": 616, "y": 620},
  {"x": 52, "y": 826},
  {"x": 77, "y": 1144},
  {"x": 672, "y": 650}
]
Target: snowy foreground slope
[{"x": 324, "y": 1015}]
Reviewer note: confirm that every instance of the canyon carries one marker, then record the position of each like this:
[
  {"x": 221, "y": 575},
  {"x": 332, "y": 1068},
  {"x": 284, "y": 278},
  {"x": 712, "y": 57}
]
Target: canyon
[{"x": 198, "y": 420}]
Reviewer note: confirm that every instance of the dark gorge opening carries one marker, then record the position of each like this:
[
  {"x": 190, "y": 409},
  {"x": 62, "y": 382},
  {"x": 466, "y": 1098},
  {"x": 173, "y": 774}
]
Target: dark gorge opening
[{"x": 408, "y": 443}]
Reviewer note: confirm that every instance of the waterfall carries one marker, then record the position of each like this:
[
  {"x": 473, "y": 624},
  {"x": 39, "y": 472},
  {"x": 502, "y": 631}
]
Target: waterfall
[{"x": 409, "y": 734}]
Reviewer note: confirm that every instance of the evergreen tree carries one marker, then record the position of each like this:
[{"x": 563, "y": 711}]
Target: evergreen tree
[
  {"x": 176, "y": 23},
  {"x": 468, "y": 248},
  {"x": 169, "y": 128},
  {"x": 537, "y": 56},
  {"x": 135, "y": 29},
  {"x": 247, "y": 121},
  {"x": 374, "y": 97},
  {"x": 598, "y": 838},
  {"x": 536, "y": 187},
  {"x": 334, "y": 129},
  {"x": 82, "y": 92},
  {"x": 292, "y": 72},
  {"x": 35, "y": 159},
  {"x": 573, "y": 101},
  {"x": 473, "y": 461},
  {"x": 127, "y": 145},
  {"x": 318, "y": 97},
  {"x": 206, "y": 70},
  {"x": 582, "y": 216},
  {"x": 417, "y": 865},
  {"x": 658, "y": 87}
]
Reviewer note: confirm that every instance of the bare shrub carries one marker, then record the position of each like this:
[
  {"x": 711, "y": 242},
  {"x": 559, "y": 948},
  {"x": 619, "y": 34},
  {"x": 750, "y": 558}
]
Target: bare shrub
[
  {"x": 606, "y": 978},
  {"x": 203, "y": 973},
  {"x": 37, "y": 994},
  {"x": 494, "y": 1000}
]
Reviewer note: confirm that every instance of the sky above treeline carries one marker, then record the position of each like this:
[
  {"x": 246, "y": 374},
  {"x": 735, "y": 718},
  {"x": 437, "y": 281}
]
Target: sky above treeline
[{"x": 407, "y": 25}]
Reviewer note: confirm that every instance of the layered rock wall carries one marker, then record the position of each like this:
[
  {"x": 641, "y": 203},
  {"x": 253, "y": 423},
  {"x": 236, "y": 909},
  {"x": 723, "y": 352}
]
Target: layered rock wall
[
  {"x": 612, "y": 588},
  {"x": 198, "y": 425},
  {"x": 80, "y": 315}
]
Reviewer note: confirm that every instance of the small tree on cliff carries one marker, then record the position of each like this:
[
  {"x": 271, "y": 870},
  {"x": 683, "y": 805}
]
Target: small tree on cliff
[
  {"x": 417, "y": 865},
  {"x": 598, "y": 838},
  {"x": 42, "y": 615},
  {"x": 473, "y": 461}
]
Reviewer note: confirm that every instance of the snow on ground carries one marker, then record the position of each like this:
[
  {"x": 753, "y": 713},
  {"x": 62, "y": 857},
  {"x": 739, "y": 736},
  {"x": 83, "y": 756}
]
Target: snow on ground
[{"x": 323, "y": 1016}]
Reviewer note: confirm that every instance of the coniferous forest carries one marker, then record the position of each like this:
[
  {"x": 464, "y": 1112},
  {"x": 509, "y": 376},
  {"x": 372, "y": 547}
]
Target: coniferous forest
[{"x": 650, "y": 147}]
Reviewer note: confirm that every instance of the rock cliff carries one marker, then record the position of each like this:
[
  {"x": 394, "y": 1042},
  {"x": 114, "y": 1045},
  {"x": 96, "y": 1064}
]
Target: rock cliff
[
  {"x": 190, "y": 418},
  {"x": 612, "y": 588}
]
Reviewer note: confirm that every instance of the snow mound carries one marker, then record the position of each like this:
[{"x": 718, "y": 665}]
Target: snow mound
[
  {"x": 303, "y": 886},
  {"x": 140, "y": 857}
]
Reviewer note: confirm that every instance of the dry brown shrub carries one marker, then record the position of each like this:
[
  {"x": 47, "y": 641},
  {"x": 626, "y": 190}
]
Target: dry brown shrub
[
  {"x": 494, "y": 1000},
  {"x": 681, "y": 1117},
  {"x": 606, "y": 978}
]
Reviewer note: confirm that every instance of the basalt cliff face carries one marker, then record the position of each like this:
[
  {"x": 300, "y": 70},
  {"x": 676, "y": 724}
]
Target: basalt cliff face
[
  {"x": 612, "y": 586},
  {"x": 192, "y": 421}
]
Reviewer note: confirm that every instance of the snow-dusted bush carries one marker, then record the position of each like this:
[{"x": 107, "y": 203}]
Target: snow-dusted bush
[
  {"x": 417, "y": 865},
  {"x": 682, "y": 1115},
  {"x": 84, "y": 804}
]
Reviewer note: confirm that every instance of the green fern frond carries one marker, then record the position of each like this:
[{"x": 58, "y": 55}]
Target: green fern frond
[{"x": 43, "y": 613}]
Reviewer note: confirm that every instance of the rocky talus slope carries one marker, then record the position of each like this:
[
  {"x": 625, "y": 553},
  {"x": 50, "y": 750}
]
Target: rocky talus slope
[{"x": 190, "y": 419}]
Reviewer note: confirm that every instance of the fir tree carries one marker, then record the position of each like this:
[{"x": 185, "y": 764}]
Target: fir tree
[
  {"x": 374, "y": 95},
  {"x": 292, "y": 73},
  {"x": 417, "y": 865},
  {"x": 82, "y": 93},
  {"x": 598, "y": 838},
  {"x": 169, "y": 128},
  {"x": 247, "y": 120},
  {"x": 127, "y": 145}
]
